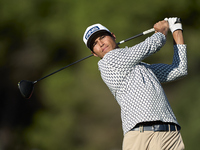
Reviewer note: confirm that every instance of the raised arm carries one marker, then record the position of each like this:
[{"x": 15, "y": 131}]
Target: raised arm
[
  {"x": 178, "y": 68},
  {"x": 128, "y": 57}
]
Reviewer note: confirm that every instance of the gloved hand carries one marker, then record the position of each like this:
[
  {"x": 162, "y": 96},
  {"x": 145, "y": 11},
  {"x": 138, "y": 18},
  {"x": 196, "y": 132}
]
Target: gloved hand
[{"x": 174, "y": 24}]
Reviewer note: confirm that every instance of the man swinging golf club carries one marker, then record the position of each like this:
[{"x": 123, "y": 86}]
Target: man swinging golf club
[{"x": 147, "y": 118}]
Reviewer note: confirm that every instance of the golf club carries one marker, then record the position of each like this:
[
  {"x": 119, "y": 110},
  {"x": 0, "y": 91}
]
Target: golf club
[{"x": 26, "y": 87}]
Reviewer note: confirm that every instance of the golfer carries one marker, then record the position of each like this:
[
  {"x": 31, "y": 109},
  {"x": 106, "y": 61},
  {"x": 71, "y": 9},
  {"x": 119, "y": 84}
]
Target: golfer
[{"x": 147, "y": 118}]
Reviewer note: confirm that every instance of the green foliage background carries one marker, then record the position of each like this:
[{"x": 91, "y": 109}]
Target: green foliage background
[{"x": 74, "y": 109}]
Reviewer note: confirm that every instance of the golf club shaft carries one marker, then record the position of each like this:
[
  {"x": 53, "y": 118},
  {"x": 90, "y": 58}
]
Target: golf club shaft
[
  {"x": 62, "y": 68},
  {"x": 143, "y": 33}
]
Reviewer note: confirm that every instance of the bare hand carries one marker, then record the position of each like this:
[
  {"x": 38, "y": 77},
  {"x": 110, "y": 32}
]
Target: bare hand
[{"x": 162, "y": 26}]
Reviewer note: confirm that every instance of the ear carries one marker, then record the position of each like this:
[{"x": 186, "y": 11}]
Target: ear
[{"x": 113, "y": 36}]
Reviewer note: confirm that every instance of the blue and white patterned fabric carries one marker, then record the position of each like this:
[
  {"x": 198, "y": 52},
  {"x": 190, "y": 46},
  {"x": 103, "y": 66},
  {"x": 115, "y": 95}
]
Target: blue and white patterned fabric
[{"x": 136, "y": 85}]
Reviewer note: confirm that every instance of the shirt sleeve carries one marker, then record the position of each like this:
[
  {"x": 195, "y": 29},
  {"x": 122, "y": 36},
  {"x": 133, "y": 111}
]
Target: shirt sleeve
[
  {"x": 123, "y": 58},
  {"x": 176, "y": 70}
]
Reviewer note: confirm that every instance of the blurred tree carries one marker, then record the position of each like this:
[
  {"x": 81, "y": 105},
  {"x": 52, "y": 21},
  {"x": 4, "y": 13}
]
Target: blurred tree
[{"x": 74, "y": 109}]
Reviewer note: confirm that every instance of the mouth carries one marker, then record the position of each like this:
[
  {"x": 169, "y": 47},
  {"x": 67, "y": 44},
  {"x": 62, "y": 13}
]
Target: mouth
[{"x": 104, "y": 48}]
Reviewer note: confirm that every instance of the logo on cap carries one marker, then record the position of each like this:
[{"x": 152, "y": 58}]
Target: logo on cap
[{"x": 91, "y": 31}]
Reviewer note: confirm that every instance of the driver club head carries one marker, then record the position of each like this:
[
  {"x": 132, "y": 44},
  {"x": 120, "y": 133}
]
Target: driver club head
[{"x": 26, "y": 88}]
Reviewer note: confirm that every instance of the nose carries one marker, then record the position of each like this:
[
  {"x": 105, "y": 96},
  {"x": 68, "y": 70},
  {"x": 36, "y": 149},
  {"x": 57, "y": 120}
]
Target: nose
[{"x": 101, "y": 43}]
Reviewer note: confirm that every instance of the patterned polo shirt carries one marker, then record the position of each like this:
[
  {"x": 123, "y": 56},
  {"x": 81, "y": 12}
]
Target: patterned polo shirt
[{"x": 137, "y": 85}]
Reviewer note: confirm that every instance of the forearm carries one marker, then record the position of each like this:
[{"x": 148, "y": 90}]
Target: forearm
[{"x": 178, "y": 37}]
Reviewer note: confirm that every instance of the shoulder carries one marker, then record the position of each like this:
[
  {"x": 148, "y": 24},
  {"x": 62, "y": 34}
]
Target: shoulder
[{"x": 113, "y": 55}]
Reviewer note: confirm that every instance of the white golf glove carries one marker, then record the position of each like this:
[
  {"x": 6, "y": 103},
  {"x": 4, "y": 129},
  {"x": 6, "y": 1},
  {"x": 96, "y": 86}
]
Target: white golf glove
[{"x": 173, "y": 24}]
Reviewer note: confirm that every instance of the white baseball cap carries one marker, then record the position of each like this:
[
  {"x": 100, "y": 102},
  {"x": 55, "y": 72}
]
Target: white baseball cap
[{"x": 91, "y": 31}]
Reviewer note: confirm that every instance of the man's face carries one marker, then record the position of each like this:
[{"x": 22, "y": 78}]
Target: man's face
[{"x": 103, "y": 43}]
